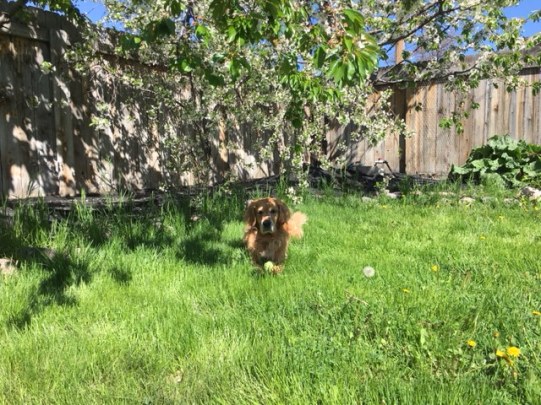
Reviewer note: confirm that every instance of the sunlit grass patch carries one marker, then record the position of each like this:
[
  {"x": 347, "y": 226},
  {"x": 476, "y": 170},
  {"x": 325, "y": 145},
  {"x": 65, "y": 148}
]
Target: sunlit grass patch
[{"x": 164, "y": 306}]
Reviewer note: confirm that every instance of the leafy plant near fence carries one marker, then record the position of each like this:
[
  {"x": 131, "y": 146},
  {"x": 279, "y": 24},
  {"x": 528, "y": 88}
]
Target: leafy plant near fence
[{"x": 503, "y": 160}]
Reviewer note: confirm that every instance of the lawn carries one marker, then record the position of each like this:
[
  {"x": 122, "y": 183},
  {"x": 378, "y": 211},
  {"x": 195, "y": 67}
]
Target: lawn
[{"x": 163, "y": 306}]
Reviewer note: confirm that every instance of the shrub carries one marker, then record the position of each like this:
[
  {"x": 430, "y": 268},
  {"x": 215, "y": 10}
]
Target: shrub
[{"x": 502, "y": 160}]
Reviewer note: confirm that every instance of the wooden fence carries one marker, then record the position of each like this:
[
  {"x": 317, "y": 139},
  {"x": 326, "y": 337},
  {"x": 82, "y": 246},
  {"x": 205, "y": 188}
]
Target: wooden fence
[
  {"x": 49, "y": 144},
  {"x": 431, "y": 150}
]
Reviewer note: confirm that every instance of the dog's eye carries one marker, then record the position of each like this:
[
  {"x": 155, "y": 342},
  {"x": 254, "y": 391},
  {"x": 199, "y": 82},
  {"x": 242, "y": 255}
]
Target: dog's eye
[
  {"x": 273, "y": 211},
  {"x": 260, "y": 212}
]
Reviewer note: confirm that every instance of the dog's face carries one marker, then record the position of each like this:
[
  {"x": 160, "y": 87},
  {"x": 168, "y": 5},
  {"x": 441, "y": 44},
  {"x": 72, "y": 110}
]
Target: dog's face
[{"x": 266, "y": 214}]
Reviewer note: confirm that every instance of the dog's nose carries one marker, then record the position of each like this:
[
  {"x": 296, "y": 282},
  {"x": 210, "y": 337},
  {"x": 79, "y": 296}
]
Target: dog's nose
[{"x": 267, "y": 224}]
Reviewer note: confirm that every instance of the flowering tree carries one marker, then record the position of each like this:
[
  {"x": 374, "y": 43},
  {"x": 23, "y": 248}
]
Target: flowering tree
[{"x": 280, "y": 67}]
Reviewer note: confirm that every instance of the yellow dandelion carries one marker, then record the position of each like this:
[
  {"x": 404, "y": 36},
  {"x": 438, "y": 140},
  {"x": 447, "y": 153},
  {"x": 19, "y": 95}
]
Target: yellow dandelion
[
  {"x": 502, "y": 355},
  {"x": 482, "y": 237},
  {"x": 435, "y": 267},
  {"x": 501, "y": 217},
  {"x": 406, "y": 290},
  {"x": 472, "y": 343},
  {"x": 536, "y": 313},
  {"x": 513, "y": 351}
]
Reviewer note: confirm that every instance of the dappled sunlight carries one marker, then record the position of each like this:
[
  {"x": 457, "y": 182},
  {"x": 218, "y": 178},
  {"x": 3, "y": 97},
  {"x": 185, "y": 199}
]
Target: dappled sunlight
[{"x": 26, "y": 186}]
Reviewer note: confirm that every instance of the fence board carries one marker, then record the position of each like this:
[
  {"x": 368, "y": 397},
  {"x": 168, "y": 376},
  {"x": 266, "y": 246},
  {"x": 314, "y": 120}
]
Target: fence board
[{"x": 63, "y": 115}]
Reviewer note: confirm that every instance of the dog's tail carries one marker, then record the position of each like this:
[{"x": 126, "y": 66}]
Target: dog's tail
[{"x": 295, "y": 223}]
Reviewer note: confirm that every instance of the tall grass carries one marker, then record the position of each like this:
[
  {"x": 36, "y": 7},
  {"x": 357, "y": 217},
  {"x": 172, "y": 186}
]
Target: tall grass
[{"x": 163, "y": 306}]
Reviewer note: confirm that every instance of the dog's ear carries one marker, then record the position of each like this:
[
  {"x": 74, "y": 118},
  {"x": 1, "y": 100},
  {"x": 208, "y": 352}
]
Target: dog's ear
[
  {"x": 283, "y": 212},
  {"x": 249, "y": 213}
]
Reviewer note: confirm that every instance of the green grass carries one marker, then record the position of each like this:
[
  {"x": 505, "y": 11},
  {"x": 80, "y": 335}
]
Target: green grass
[{"x": 158, "y": 308}]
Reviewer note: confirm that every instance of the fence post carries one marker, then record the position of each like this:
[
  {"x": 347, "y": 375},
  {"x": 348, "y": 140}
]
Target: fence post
[
  {"x": 401, "y": 108},
  {"x": 63, "y": 114},
  {"x": 4, "y": 134}
]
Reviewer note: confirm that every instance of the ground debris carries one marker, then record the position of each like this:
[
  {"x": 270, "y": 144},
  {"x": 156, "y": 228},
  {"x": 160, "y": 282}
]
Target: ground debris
[
  {"x": 8, "y": 267},
  {"x": 531, "y": 193},
  {"x": 467, "y": 200},
  {"x": 32, "y": 252}
]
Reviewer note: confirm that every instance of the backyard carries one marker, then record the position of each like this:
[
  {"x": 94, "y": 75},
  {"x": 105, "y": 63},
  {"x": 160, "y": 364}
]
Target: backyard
[{"x": 163, "y": 306}]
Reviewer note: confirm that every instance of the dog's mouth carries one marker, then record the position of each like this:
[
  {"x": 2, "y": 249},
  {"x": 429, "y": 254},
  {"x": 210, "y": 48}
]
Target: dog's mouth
[{"x": 267, "y": 226}]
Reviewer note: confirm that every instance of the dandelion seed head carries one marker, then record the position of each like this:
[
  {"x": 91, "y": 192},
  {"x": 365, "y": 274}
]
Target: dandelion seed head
[{"x": 369, "y": 271}]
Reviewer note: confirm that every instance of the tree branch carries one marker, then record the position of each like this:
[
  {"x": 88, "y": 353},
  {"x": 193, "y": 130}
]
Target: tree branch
[
  {"x": 381, "y": 82},
  {"x": 12, "y": 9},
  {"x": 429, "y": 18},
  {"x": 421, "y": 25}
]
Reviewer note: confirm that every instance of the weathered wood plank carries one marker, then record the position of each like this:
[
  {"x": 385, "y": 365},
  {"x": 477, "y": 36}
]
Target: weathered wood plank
[
  {"x": 63, "y": 114},
  {"x": 6, "y": 96},
  {"x": 24, "y": 31},
  {"x": 43, "y": 142},
  {"x": 411, "y": 142},
  {"x": 443, "y": 137},
  {"x": 529, "y": 113}
]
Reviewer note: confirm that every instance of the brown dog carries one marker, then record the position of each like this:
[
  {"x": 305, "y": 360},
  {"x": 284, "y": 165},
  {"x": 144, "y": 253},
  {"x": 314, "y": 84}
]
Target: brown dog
[{"x": 269, "y": 225}]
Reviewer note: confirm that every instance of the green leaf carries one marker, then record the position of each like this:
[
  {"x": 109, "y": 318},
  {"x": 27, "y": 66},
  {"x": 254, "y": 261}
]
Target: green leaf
[
  {"x": 185, "y": 66},
  {"x": 348, "y": 43},
  {"x": 157, "y": 29},
  {"x": 478, "y": 164},
  {"x": 244, "y": 63},
  {"x": 166, "y": 27},
  {"x": 535, "y": 16},
  {"x": 445, "y": 123},
  {"x": 319, "y": 57},
  {"x": 350, "y": 70},
  {"x": 231, "y": 33},
  {"x": 129, "y": 42},
  {"x": 503, "y": 143},
  {"x": 218, "y": 57},
  {"x": 355, "y": 21},
  {"x": 272, "y": 7},
  {"x": 235, "y": 66},
  {"x": 202, "y": 32},
  {"x": 536, "y": 88},
  {"x": 339, "y": 71},
  {"x": 218, "y": 10},
  {"x": 214, "y": 79},
  {"x": 459, "y": 170},
  {"x": 176, "y": 7}
]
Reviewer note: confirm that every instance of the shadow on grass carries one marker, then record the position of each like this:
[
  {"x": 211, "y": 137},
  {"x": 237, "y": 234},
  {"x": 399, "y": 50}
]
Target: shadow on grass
[
  {"x": 61, "y": 273},
  {"x": 193, "y": 231},
  {"x": 204, "y": 226},
  {"x": 191, "y": 225},
  {"x": 204, "y": 245},
  {"x": 120, "y": 276}
]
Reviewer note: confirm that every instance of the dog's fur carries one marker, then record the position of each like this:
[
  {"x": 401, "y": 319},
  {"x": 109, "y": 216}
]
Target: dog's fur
[{"x": 269, "y": 225}]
